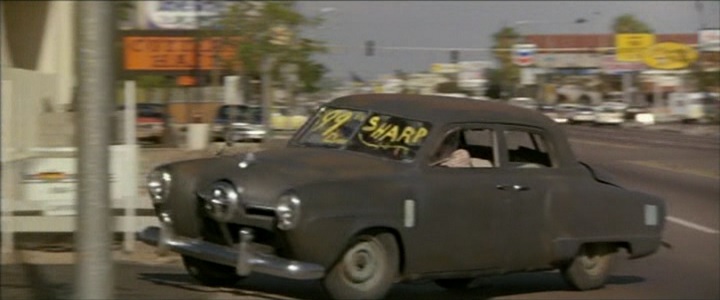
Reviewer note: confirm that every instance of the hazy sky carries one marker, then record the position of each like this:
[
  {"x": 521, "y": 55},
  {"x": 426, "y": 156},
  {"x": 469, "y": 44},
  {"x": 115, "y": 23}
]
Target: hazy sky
[{"x": 470, "y": 24}]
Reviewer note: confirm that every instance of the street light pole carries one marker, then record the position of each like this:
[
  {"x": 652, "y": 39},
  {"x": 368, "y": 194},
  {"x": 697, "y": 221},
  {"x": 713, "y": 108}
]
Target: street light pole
[{"x": 94, "y": 230}]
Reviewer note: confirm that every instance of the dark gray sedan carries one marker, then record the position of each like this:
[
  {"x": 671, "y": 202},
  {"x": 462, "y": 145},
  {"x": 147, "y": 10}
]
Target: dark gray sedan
[{"x": 377, "y": 189}]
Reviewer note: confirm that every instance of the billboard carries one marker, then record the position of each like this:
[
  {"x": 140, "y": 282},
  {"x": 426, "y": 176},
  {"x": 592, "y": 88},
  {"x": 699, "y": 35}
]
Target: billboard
[
  {"x": 179, "y": 14},
  {"x": 709, "y": 40},
  {"x": 630, "y": 46},
  {"x": 669, "y": 56},
  {"x": 175, "y": 53}
]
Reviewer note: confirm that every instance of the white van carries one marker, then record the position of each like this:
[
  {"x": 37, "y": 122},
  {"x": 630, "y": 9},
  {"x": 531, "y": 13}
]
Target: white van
[{"x": 693, "y": 107}]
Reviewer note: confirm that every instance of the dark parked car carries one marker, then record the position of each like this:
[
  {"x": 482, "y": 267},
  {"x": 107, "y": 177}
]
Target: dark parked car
[
  {"x": 360, "y": 198},
  {"x": 239, "y": 122}
]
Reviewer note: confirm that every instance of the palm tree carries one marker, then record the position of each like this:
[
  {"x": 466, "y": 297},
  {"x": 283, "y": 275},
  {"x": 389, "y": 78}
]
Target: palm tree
[{"x": 628, "y": 23}]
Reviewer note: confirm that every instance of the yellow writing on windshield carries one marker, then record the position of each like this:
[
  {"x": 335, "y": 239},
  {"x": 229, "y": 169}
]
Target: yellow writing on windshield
[
  {"x": 399, "y": 150},
  {"x": 392, "y": 133},
  {"x": 331, "y": 122}
]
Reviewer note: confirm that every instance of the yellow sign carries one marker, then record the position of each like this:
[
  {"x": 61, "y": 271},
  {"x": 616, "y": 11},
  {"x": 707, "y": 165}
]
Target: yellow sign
[
  {"x": 630, "y": 46},
  {"x": 669, "y": 56}
]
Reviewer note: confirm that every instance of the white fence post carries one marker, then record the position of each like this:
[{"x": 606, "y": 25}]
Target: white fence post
[
  {"x": 8, "y": 170},
  {"x": 128, "y": 169}
]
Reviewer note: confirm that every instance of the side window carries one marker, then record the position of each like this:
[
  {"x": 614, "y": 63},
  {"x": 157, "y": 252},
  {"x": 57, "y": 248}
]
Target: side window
[
  {"x": 481, "y": 145},
  {"x": 466, "y": 148},
  {"x": 526, "y": 149}
]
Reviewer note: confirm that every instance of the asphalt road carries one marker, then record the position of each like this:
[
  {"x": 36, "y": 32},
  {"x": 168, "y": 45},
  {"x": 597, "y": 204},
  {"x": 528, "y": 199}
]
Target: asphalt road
[{"x": 683, "y": 169}]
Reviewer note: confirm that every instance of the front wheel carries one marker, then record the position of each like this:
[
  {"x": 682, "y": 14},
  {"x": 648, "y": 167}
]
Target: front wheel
[
  {"x": 210, "y": 274},
  {"x": 590, "y": 268},
  {"x": 367, "y": 270}
]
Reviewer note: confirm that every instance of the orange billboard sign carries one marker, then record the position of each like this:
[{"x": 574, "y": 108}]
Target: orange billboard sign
[{"x": 169, "y": 53}]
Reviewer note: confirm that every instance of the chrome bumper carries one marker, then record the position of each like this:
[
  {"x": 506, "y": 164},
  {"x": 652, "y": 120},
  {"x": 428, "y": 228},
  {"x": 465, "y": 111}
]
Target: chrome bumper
[{"x": 243, "y": 257}]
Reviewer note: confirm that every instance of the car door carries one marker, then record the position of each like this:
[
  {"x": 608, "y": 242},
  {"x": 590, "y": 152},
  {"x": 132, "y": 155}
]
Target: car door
[
  {"x": 531, "y": 178},
  {"x": 456, "y": 228}
]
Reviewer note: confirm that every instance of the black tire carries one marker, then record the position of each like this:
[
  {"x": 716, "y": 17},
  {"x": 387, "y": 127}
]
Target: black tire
[
  {"x": 590, "y": 268},
  {"x": 210, "y": 274},
  {"x": 367, "y": 269},
  {"x": 455, "y": 283}
]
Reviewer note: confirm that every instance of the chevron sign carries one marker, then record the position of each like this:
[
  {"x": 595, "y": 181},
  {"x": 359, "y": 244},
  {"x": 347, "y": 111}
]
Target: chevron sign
[{"x": 524, "y": 54}]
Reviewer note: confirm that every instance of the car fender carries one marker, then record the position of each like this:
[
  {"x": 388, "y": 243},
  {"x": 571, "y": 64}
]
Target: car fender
[{"x": 340, "y": 211}]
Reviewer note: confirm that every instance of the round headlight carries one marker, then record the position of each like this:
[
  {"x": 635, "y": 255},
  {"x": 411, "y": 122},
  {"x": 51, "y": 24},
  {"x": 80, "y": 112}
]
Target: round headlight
[
  {"x": 287, "y": 211},
  {"x": 158, "y": 184},
  {"x": 223, "y": 203}
]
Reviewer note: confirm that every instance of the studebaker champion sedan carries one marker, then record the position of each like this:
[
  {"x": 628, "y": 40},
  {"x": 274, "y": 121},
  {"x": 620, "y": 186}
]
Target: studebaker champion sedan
[{"x": 377, "y": 189}]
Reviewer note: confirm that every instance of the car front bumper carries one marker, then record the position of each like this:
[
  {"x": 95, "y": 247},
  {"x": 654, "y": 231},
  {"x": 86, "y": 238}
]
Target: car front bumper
[{"x": 244, "y": 257}]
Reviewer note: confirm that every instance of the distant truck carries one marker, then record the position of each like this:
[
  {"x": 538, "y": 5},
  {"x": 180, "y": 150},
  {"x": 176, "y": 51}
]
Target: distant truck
[{"x": 694, "y": 107}]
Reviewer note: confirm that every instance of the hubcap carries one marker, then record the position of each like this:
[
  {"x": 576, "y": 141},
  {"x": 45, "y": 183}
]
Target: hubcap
[{"x": 361, "y": 262}]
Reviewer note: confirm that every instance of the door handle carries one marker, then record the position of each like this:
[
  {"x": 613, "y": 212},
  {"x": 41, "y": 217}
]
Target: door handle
[{"x": 512, "y": 187}]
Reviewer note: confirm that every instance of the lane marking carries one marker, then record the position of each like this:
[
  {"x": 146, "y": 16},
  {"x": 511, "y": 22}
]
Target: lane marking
[
  {"x": 603, "y": 144},
  {"x": 691, "y": 225},
  {"x": 677, "y": 169}
]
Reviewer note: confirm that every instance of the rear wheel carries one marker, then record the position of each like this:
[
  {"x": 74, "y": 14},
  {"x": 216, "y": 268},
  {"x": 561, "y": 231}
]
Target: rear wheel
[
  {"x": 590, "y": 268},
  {"x": 210, "y": 274},
  {"x": 367, "y": 270}
]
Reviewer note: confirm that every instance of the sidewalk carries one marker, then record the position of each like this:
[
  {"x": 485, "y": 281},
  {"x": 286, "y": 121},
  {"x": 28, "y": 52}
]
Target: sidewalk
[{"x": 144, "y": 254}]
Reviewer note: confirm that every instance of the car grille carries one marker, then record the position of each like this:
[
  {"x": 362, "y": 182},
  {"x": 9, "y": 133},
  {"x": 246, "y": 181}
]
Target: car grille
[{"x": 260, "y": 211}]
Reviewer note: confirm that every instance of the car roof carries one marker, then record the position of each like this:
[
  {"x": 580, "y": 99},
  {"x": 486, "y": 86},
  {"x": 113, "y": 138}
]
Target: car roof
[{"x": 441, "y": 109}]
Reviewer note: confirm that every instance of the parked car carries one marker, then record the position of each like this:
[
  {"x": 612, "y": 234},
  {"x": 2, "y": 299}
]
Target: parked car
[
  {"x": 578, "y": 113},
  {"x": 635, "y": 109},
  {"x": 525, "y": 102},
  {"x": 360, "y": 198},
  {"x": 150, "y": 121},
  {"x": 239, "y": 122},
  {"x": 610, "y": 113},
  {"x": 553, "y": 113}
]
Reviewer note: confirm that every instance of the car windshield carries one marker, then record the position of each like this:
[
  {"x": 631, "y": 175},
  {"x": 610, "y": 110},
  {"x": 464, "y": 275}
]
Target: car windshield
[
  {"x": 364, "y": 131},
  {"x": 242, "y": 113}
]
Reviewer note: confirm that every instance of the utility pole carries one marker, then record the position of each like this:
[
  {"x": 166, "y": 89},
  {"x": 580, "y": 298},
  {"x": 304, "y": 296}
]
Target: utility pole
[{"x": 93, "y": 239}]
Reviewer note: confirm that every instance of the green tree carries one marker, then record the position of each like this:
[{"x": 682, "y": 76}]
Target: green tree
[
  {"x": 507, "y": 74},
  {"x": 259, "y": 30},
  {"x": 628, "y": 23}
]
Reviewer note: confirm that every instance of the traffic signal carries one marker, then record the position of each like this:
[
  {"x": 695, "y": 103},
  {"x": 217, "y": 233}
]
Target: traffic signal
[
  {"x": 369, "y": 48},
  {"x": 454, "y": 56}
]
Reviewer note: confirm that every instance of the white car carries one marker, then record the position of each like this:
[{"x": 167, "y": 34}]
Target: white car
[
  {"x": 577, "y": 113},
  {"x": 525, "y": 102},
  {"x": 608, "y": 114}
]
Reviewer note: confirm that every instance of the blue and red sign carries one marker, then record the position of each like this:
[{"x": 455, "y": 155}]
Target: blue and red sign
[{"x": 524, "y": 54}]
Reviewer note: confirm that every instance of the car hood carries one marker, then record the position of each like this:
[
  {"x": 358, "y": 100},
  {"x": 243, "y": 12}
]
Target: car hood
[{"x": 264, "y": 176}]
